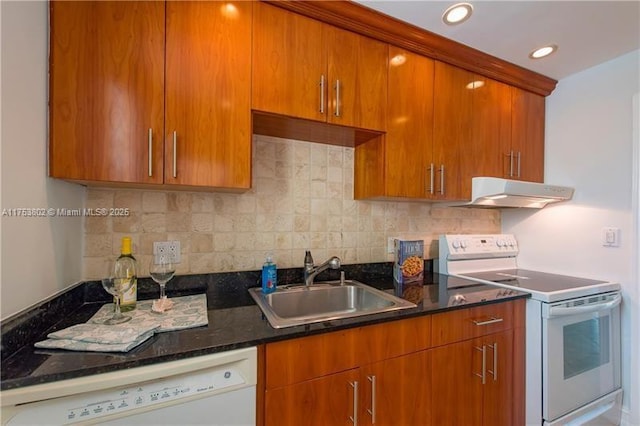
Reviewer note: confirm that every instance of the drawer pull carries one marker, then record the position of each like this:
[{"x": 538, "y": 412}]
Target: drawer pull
[
  {"x": 483, "y": 375},
  {"x": 372, "y": 411},
  {"x": 491, "y": 320},
  {"x": 354, "y": 418}
]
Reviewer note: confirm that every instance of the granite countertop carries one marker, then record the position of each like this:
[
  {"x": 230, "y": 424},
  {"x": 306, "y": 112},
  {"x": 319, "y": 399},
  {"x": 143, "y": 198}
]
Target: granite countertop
[{"x": 235, "y": 321}]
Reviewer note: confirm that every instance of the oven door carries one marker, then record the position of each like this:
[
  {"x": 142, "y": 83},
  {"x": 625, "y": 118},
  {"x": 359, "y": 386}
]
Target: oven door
[{"x": 581, "y": 352}]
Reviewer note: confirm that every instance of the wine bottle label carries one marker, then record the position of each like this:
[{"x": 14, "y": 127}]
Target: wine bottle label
[{"x": 129, "y": 298}]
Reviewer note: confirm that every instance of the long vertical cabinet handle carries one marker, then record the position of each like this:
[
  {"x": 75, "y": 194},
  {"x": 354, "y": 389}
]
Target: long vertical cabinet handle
[
  {"x": 441, "y": 179},
  {"x": 337, "y": 113},
  {"x": 518, "y": 164},
  {"x": 372, "y": 411},
  {"x": 510, "y": 163},
  {"x": 431, "y": 172},
  {"x": 494, "y": 372},
  {"x": 175, "y": 154},
  {"x": 483, "y": 375},
  {"x": 354, "y": 418},
  {"x": 150, "y": 152},
  {"x": 322, "y": 94}
]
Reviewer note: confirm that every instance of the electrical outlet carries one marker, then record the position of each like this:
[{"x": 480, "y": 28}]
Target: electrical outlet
[
  {"x": 390, "y": 244},
  {"x": 611, "y": 237},
  {"x": 167, "y": 248}
]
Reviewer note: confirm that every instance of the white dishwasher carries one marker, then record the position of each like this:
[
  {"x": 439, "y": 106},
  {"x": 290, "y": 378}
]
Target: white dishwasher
[{"x": 215, "y": 389}]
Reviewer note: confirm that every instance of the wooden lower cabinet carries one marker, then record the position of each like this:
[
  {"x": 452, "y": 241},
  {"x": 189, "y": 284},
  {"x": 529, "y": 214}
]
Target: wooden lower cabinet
[
  {"x": 470, "y": 391},
  {"x": 390, "y": 392},
  {"x": 459, "y": 367},
  {"x": 397, "y": 391},
  {"x": 323, "y": 401}
]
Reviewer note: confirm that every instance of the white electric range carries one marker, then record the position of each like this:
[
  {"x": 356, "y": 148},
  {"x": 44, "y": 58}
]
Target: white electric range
[{"x": 572, "y": 331}]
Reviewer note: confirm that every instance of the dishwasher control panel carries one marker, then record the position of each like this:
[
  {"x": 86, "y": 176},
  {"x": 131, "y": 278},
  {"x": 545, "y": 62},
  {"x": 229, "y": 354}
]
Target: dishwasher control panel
[{"x": 98, "y": 404}]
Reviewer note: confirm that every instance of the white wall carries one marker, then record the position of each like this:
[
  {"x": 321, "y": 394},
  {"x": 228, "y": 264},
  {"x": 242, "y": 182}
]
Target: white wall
[
  {"x": 40, "y": 256},
  {"x": 590, "y": 146}
]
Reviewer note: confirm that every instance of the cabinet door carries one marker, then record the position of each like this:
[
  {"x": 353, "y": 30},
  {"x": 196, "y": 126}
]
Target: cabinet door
[
  {"x": 397, "y": 391},
  {"x": 456, "y": 395},
  {"x": 106, "y": 91},
  {"x": 409, "y": 141},
  {"x": 490, "y": 132},
  {"x": 527, "y": 134},
  {"x": 451, "y": 128},
  {"x": 208, "y": 93},
  {"x": 329, "y": 400},
  {"x": 498, "y": 394},
  {"x": 357, "y": 79},
  {"x": 288, "y": 64}
]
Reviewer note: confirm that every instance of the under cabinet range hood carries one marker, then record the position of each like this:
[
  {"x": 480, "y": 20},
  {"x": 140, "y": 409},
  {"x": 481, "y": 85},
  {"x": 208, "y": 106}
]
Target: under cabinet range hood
[{"x": 489, "y": 192}]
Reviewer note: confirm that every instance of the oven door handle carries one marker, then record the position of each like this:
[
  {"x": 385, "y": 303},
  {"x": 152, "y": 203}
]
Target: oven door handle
[{"x": 561, "y": 311}]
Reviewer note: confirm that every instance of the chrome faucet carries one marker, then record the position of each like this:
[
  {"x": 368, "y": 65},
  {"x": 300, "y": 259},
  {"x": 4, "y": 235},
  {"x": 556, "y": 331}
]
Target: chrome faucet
[{"x": 310, "y": 271}]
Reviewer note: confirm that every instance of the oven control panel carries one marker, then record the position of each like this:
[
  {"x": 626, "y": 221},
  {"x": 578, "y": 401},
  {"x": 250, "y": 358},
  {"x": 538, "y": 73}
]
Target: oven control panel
[{"x": 463, "y": 246}]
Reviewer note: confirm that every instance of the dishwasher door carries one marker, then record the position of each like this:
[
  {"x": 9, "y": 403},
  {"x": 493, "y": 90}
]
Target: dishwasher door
[{"x": 215, "y": 389}]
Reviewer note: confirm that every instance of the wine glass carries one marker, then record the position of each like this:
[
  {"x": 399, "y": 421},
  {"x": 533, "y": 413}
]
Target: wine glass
[
  {"x": 161, "y": 270},
  {"x": 115, "y": 287}
]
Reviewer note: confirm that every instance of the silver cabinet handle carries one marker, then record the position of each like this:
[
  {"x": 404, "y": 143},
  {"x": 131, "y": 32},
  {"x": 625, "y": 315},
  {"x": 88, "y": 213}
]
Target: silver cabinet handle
[
  {"x": 510, "y": 163},
  {"x": 494, "y": 372},
  {"x": 491, "y": 320},
  {"x": 431, "y": 172},
  {"x": 372, "y": 411},
  {"x": 322, "y": 94},
  {"x": 354, "y": 418},
  {"x": 483, "y": 375},
  {"x": 518, "y": 164},
  {"x": 175, "y": 155},
  {"x": 150, "y": 152},
  {"x": 442, "y": 179},
  {"x": 337, "y": 113}
]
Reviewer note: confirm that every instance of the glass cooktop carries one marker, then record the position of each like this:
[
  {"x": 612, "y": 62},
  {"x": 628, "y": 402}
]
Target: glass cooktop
[{"x": 542, "y": 286}]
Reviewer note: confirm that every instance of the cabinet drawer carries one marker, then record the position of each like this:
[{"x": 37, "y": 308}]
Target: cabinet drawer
[
  {"x": 468, "y": 323},
  {"x": 296, "y": 360},
  {"x": 392, "y": 339}
]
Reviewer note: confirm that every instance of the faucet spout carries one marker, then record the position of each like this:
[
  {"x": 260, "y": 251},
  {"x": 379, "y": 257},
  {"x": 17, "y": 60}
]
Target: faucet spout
[{"x": 310, "y": 271}]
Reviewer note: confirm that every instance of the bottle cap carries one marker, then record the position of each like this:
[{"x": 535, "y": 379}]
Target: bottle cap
[{"x": 126, "y": 245}]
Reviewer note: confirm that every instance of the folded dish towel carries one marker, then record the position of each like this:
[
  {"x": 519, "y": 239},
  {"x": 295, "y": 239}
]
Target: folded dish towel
[
  {"x": 98, "y": 337},
  {"x": 187, "y": 312}
]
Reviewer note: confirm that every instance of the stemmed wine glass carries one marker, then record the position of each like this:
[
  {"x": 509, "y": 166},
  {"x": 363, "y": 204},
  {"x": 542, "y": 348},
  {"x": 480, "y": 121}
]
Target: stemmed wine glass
[
  {"x": 161, "y": 270},
  {"x": 116, "y": 287}
]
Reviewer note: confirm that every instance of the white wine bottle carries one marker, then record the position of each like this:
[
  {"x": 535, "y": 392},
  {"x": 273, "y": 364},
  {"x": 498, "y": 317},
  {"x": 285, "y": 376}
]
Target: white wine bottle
[{"x": 125, "y": 268}]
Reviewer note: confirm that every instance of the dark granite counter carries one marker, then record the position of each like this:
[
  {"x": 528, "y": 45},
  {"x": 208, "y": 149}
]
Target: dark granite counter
[{"x": 235, "y": 321}]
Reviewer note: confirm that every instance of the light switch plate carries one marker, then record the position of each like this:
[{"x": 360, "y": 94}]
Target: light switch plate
[{"x": 610, "y": 237}]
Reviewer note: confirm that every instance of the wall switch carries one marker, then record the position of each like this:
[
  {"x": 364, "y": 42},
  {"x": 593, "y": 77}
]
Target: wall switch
[
  {"x": 167, "y": 248},
  {"x": 610, "y": 237},
  {"x": 390, "y": 244}
]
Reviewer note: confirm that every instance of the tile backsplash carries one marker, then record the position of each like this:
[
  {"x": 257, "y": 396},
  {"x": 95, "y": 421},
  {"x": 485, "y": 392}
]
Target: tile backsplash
[{"x": 301, "y": 198}]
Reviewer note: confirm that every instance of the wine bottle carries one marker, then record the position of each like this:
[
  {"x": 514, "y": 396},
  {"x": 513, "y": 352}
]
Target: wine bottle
[{"x": 126, "y": 268}]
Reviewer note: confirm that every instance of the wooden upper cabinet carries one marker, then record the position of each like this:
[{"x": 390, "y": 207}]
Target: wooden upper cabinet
[
  {"x": 525, "y": 156},
  {"x": 208, "y": 94},
  {"x": 357, "y": 79},
  {"x": 399, "y": 164},
  {"x": 452, "y": 127},
  {"x": 115, "y": 110},
  {"x": 288, "y": 63},
  {"x": 482, "y": 154},
  {"x": 106, "y": 91},
  {"x": 307, "y": 69}
]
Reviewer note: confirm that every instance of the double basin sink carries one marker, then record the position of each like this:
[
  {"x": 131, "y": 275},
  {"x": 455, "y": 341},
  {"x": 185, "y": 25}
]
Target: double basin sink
[{"x": 324, "y": 301}]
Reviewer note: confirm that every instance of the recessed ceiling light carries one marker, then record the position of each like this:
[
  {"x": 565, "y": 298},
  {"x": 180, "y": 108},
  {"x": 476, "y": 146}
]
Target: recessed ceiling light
[
  {"x": 457, "y": 14},
  {"x": 543, "y": 51}
]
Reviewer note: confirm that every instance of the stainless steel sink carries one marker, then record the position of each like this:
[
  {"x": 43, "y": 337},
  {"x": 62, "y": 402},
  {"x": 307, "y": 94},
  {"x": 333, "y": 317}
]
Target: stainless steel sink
[{"x": 298, "y": 304}]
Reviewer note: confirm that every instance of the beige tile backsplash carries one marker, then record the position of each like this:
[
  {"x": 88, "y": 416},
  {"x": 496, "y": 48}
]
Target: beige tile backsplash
[{"x": 302, "y": 198}]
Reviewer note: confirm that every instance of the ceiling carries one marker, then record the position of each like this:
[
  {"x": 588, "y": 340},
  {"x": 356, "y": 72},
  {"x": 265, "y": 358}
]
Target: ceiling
[{"x": 587, "y": 32}]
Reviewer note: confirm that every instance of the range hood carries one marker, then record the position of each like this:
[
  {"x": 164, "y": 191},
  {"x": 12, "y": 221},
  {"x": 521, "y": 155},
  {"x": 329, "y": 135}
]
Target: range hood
[{"x": 489, "y": 192}]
